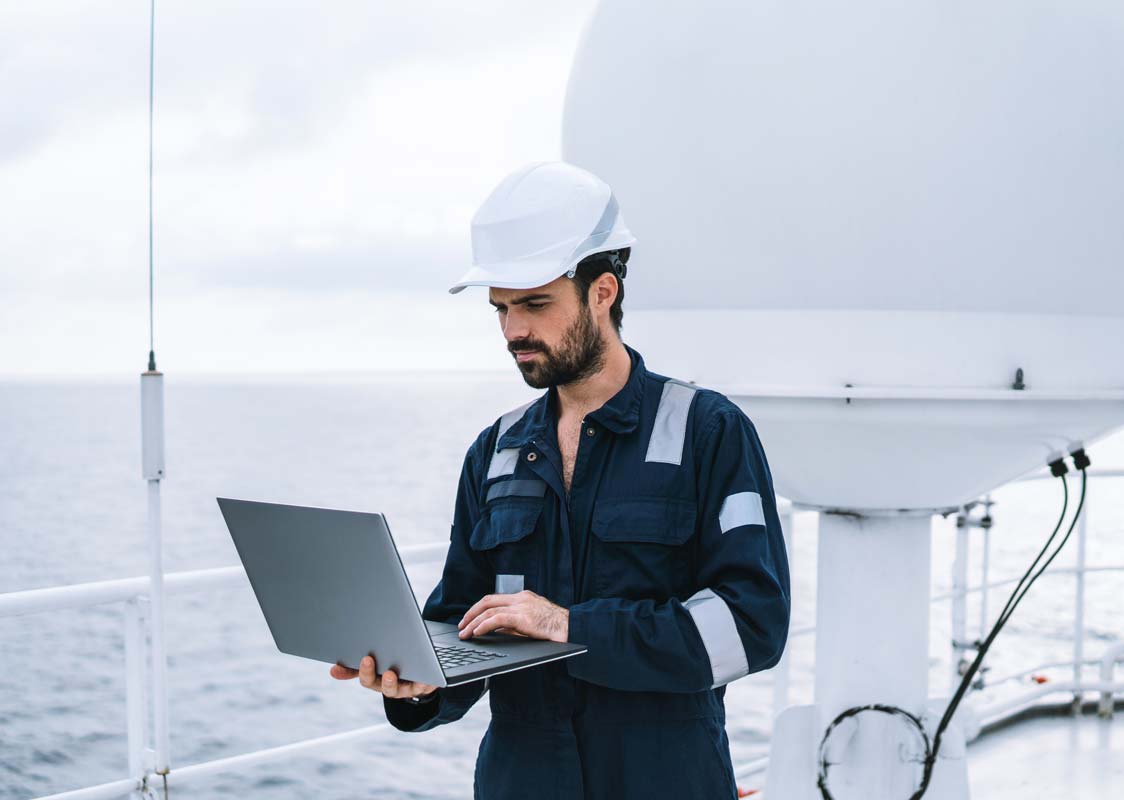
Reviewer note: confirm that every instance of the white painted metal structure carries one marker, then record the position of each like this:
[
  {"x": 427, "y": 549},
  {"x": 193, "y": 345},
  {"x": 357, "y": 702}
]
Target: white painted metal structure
[
  {"x": 841, "y": 433},
  {"x": 860, "y": 221}
]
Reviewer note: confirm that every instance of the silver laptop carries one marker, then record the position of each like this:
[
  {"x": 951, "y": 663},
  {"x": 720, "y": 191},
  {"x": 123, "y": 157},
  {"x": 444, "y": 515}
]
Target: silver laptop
[{"x": 332, "y": 588}]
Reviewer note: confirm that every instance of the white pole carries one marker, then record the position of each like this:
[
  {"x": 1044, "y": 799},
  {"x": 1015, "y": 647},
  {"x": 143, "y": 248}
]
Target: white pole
[
  {"x": 152, "y": 458},
  {"x": 985, "y": 576},
  {"x": 872, "y": 612},
  {"x": 1079, "y": 609},
  {"x": 136, "y": 710},
  {"x": 959, "y": 597},
  {"x": 152, "y": 451},
  {"x": 781, "y": 670}
]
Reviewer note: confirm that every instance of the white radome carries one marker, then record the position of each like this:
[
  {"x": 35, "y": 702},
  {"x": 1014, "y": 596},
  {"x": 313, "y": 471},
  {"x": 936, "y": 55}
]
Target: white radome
[{"x": 916, "y": 199}]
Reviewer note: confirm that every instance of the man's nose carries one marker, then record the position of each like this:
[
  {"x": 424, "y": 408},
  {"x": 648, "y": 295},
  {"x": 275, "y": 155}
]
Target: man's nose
[{"x": 515, "y": 327}]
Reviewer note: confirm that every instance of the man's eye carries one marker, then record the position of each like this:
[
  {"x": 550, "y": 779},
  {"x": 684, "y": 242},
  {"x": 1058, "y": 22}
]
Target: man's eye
[
  {"x": 535, "y": 306},
  {"x": 498, "y": 309}
]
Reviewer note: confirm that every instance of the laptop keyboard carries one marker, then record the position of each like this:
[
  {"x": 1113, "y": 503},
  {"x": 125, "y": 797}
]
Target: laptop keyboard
[{"x": 452, "y": 656}]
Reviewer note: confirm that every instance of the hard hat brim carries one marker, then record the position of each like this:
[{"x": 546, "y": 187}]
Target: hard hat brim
[
  {"x": 529, "y": 274},
  {"x": 519, "y": 275}
]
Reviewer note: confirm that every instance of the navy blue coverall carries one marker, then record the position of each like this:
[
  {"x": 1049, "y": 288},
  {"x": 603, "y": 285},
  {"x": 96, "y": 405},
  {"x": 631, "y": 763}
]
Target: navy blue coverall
[{"x": 668, "y": 553}]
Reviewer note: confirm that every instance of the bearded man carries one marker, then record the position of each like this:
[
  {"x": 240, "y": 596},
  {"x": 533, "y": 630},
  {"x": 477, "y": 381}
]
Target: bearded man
[{"x": 623, "y": 510}]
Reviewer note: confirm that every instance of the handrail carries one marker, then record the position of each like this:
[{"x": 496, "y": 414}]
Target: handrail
[
  {"x": 204, "y": 769},
  {"x": 79, "y": 595},
  {"x": 1053, "y": 571},
  {"x": 1014, "y": 676},
  {"x": 996, "y": 711}
]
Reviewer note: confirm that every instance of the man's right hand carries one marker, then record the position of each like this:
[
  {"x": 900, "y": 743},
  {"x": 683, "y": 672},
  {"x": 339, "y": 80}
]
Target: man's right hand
[{"x": 386, "y": 684}]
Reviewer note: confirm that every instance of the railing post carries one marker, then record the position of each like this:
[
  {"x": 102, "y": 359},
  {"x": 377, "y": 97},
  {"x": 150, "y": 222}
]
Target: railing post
[
  {"x": 1079, "y": 610},
  {"x": 959, "y": 596},
  {"x": 136, "y": 705},
  {"x": 781, "y": 670},
  {"x": 985, "y": 569},
  {"x": 985, "y": 566},
  {"x": 1108, "y": 665}
]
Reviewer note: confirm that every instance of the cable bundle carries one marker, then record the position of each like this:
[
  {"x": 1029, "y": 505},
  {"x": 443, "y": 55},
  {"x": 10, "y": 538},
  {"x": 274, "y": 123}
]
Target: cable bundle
[{"x": 1058, "y": 470}]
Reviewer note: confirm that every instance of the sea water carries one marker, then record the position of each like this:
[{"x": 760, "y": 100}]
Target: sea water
[{"x": 72, "y": 510}]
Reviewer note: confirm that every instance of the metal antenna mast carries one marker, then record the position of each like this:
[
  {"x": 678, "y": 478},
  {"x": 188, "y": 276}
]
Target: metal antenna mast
[{"x": 152, "y": 469}]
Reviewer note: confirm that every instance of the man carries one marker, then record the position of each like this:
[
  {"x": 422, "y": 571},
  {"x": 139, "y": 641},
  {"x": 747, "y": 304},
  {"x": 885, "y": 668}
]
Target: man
[{"x": 622, "y": 510}]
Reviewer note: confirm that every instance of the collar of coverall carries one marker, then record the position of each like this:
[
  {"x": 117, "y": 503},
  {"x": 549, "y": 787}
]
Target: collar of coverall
[{"x": 620, "y": 414}]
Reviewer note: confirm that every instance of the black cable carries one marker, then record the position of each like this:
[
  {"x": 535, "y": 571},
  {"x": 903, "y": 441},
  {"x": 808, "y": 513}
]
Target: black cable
[
  {"x": 821, "y": 780},
  {"x": 1004, "y": 615},
  {"x": 1002, "y": 621},
  {"x": 1009, "y": 609},
  {"x": 1057, "y": 468}
]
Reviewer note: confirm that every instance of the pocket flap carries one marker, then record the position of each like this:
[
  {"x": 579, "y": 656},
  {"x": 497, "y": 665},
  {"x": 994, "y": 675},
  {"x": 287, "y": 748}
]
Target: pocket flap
[
  {"x": 644, "y": 519},
  {"x": 505, "y": 521}
]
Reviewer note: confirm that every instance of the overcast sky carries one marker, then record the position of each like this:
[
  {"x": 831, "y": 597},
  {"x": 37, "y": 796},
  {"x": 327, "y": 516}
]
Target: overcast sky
[{"x": 317, "y": 165}]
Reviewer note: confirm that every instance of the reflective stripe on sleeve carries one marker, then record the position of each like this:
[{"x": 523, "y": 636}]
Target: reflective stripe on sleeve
[
  {"x": 509, "y": 584},
  {"x": 719, "y": 632},
  {"x": 743, "y": 508},
  {"x": 670, "y": 429}
]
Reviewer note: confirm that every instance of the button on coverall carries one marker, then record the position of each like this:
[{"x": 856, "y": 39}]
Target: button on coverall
[{"x": 668, "y": 554}]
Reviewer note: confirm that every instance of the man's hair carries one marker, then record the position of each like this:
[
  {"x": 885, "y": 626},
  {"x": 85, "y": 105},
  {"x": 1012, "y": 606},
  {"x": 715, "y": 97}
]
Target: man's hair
[{"x": 594, "y": 266}]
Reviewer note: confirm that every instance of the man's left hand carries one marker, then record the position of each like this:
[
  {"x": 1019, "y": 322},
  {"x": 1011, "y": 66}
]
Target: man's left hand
[{"x": 523, "y": 612}]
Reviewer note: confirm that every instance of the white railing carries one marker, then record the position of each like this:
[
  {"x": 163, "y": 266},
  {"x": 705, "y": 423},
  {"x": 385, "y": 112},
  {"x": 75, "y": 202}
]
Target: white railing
[
  {"x": 134, "y": 593},
  {"x": 1078, "y": 686}
]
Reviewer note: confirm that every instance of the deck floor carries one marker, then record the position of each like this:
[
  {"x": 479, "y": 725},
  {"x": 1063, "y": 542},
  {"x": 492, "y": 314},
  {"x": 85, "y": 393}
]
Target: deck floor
[{"x": 1075, "y": 758}]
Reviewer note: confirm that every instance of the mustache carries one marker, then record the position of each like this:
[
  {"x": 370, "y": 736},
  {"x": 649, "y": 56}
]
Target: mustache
[{"x": 526, "y": 344}]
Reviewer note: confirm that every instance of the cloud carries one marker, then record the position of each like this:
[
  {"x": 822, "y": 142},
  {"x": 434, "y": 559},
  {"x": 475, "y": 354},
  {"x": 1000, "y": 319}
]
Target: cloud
[
  {"x": 427, "y": 265},
  {"x": 290, "y": 65},
  {"x": 300, "y": 147}
]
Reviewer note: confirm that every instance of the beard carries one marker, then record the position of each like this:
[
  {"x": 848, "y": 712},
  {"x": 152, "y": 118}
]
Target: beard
[{"x": 580, "y": 355}]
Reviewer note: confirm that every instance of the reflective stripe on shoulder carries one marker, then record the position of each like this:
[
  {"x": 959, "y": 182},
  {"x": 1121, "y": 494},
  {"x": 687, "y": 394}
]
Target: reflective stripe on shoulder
[
  {"x": 670, "y": 429},
  {"x": 719, "y": 632},
  {"x": 743, "y": 508},
  {"x": 503, "y": 462}
]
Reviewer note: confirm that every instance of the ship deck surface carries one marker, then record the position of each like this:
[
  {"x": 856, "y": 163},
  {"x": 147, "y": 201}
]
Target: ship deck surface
[{"x": 1076, "y": 758}]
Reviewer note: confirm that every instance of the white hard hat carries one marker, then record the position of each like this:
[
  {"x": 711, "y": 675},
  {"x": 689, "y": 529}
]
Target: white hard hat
[{"x": 538, "y": 223}]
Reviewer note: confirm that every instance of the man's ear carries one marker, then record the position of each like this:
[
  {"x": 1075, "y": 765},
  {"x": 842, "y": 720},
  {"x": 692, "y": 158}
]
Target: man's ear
[{"x": 604, "y": 290}]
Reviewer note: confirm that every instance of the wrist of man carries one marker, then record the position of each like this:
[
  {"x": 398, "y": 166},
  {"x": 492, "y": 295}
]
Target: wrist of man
[{"x": 423, "y": 698}]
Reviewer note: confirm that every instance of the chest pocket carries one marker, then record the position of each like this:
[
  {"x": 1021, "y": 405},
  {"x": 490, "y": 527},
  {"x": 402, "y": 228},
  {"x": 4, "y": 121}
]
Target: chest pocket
[
  {"x": 506, "y": 533},
  {"x": 642, "y": 547}
]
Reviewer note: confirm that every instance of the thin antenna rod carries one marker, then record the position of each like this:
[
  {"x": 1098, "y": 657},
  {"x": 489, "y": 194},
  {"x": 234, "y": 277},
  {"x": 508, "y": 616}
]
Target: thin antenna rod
[{"x": 151, "y": 92}]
